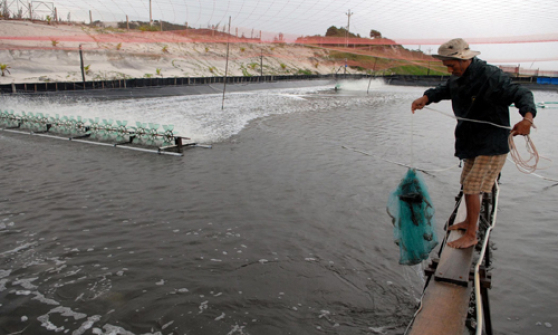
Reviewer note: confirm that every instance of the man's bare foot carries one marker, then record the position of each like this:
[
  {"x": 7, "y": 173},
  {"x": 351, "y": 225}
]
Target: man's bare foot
[
  {"x": 460, "y": 226},
  {"x": 466, "y": 241}
]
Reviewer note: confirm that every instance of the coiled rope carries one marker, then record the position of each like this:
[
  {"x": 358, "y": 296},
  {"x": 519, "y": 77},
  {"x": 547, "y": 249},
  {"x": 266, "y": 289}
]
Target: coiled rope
[{"x": 524, "y": 165}]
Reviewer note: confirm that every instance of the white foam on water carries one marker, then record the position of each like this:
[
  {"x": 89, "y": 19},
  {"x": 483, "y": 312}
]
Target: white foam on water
[
  {"x": 115, "y": 330},
  {"x": 377, "y": 330},
  {"x": 87, "y": 325},
  {"x": 165, "y": 326},
  {"x": 22, "y": 292},
  {"x": 362, "y": 85},
  {"x": 63, "y": 311},
  {"x": 199, "y": 117},
  {"x": 236, "y": 329},
  {"x": 49, "y": 325},
  {"x": 203, "y": 306},
  {"x": 324, "y": 314},
  {"x": 26, "y": 283},
  {"x": 19, "y": 248},
  {"x": 40, "y": 297}
]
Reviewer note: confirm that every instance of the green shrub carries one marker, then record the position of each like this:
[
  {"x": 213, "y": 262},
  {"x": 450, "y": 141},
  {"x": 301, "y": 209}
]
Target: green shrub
[
  {"x": 245, "y": 73},
  {"x": 147, "y": 27},
  {"x": 304, "y": 72},
  {"x": 4, "y": 68}
]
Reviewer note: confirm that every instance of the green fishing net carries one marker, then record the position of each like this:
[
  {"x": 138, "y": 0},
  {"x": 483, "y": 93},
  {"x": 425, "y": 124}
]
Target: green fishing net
[{"x": 412, "y": 213}]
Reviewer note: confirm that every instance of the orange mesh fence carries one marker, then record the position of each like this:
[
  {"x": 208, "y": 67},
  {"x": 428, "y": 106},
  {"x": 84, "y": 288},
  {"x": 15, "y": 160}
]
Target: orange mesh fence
[{"x": 366, "y": 53}]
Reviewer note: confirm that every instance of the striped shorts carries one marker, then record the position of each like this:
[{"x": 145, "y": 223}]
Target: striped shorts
[{"x": 480, "y": 173}]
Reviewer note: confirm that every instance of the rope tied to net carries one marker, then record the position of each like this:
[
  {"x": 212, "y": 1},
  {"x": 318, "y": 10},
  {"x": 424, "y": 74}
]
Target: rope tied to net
[{"x": 523, "y": 165}]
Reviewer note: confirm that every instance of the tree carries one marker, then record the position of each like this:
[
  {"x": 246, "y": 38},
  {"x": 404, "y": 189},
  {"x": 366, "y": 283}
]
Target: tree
[
  {"x": 332, "y": 31},
  {"x": 5, "y": 10},
  {"x": 375, "y": 34},
  {"x": 338, "y": 32}
]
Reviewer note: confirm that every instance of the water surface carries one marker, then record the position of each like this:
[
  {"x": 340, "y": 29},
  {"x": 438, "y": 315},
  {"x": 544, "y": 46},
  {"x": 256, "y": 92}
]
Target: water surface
[{"x": 278, "y": 229}]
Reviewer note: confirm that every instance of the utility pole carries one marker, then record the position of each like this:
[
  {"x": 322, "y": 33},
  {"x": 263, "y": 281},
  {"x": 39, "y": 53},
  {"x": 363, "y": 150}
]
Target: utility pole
[
  {"x": 150, "y": 14},
  {"x": 261, "y": 63},
  {"x": 226, "y": 66},
  {"x": 348, "y": 27},
  {"x": 81, "y": 65}
]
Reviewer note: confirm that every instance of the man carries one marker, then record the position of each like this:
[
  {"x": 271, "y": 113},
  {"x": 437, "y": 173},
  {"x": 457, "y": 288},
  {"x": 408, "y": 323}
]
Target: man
[{"x": 478, "y": 92}]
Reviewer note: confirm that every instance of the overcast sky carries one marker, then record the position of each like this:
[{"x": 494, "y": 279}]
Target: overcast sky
[{"x": 486, "y": 23}]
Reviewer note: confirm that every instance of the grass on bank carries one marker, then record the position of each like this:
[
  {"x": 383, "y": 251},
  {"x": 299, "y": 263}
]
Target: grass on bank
[
  {"x": 416, "y": 70},
  {"x": 390, "y": 66}
]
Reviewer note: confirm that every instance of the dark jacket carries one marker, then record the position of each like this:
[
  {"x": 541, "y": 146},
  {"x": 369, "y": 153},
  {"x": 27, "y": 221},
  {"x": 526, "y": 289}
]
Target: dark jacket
[{"x": 484, "y": 93}]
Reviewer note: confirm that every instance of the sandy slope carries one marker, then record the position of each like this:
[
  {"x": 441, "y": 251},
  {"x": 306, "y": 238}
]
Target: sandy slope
[{"x": 29, "y": 51}]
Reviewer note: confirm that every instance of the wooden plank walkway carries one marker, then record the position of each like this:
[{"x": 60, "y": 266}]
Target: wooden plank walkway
[
  {"x": 446, "y": 299},
  {"x": 444, "y": 310},
  {"x": 455, "y": 264}
]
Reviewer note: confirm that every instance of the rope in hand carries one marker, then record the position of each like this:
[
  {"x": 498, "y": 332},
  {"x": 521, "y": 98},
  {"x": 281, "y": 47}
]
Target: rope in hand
[{"x": 524, "y": 165}]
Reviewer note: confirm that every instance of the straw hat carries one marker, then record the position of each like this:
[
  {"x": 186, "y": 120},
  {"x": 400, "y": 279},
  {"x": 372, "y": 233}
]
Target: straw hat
[{"x": 455, "y": 49}]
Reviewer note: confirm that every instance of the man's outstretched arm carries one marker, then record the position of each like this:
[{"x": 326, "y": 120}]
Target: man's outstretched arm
[{"x": 419, "y": 103}]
